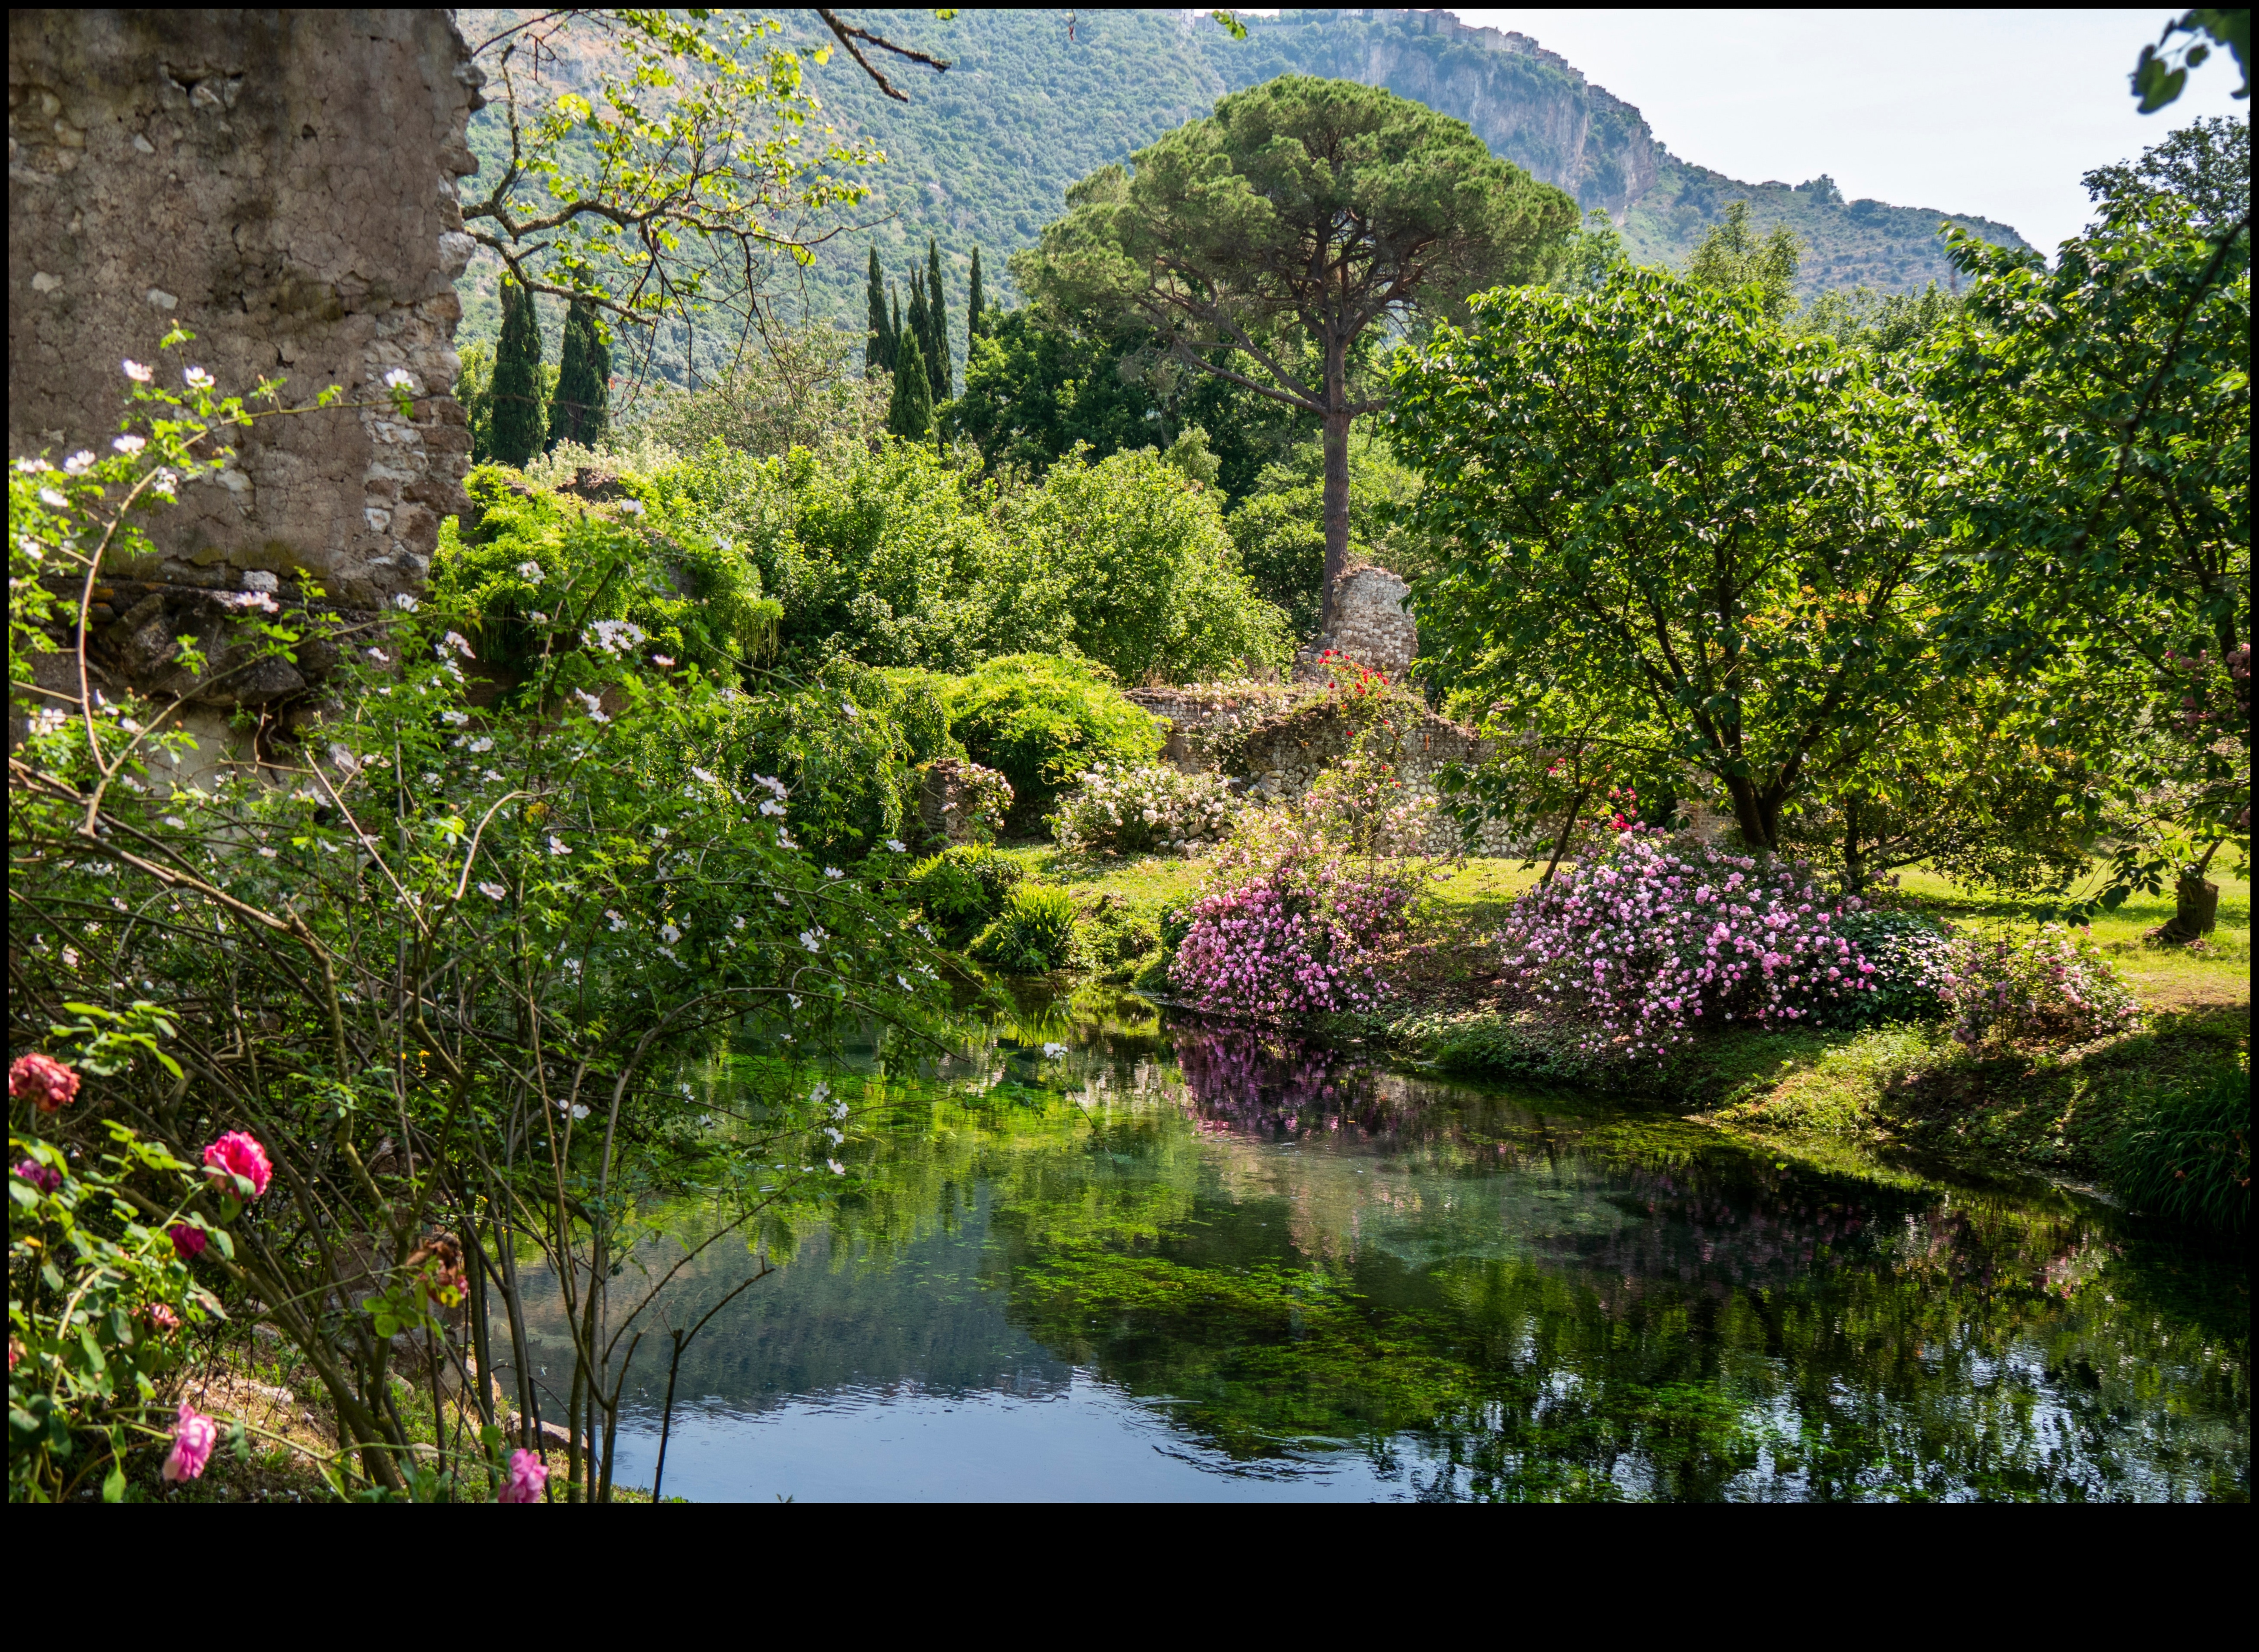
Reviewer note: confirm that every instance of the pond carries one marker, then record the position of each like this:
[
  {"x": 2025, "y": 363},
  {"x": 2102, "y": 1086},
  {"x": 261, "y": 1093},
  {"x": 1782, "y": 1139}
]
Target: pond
[{"x": 1181, "y": 1262}]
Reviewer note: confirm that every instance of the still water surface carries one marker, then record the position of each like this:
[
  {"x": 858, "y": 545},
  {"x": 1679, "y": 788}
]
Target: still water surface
[{"x": 1177, "y": 1263}]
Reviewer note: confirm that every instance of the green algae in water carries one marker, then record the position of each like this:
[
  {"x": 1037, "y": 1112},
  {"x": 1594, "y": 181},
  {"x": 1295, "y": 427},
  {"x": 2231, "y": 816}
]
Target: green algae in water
[{"x": 1291, "y": 1259}]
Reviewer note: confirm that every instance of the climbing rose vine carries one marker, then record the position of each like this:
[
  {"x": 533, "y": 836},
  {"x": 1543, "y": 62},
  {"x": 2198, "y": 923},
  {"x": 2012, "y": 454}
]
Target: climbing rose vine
[{"x": 1659, "y": 934}]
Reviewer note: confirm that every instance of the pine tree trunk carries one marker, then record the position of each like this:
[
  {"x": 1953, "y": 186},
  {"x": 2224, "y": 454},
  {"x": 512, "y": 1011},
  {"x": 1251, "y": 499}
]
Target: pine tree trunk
[{"x": 1336, "y": 448}]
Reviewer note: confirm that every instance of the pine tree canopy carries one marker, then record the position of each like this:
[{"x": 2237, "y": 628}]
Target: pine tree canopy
[{"x": 516, "y": 430}]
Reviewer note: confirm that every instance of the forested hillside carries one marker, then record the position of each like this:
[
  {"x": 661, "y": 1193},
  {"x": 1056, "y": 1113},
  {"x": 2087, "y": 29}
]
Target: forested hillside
[{"x": 983, "y": 154}]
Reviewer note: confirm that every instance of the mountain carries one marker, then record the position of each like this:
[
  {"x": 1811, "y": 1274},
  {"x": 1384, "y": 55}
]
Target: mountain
[{"x": 1032, "y": 100}]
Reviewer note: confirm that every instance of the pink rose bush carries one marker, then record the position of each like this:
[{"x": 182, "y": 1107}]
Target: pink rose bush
[
  {"x": 528, "y": 1474},
  {"x": 1658, "y": 936},
  {"x": 237, "y": 1154},
  {"x": 1291, "y": 926},
  {"x": 194, "y": 1436},
  {"x": 2051, "y": 987},
  {"x": 47, "y": 1083}
]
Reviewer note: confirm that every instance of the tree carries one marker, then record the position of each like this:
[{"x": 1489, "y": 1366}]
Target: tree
[
  {"x": 1733, "y": 257},
  {"x": 878, "y": 344},
  {"x": 1302, "y": 211},
  {"x": 2156, "y": 82},
  {"x": 1675, "y": 527},
  {"x": 895, "y": 333},
  {"x": 2110, "y": 522},
  {"x": 2207, "y": 164},
  {"x": 976, "y": 309},
  {"x": 910, "y": 414},
  {"x": 515, "y": 427},
  {"x": 580, "y": 408},
  {"x": 920, "y": 326},
  {"x": 937, "y": 318}
]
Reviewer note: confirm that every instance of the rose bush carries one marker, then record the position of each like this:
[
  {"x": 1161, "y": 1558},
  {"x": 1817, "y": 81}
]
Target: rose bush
[
  {"x": 1659, "y": 936},
  {"x": 1144, "y": 808},
  {"x": 2053, "y": 987}
]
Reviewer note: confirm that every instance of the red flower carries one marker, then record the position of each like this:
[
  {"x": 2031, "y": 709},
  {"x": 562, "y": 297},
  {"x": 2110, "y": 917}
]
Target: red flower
[
  {"x": 51, "y": 1086},
  {"x": 188, "y": 1243},
  {"x": 237, "y": 1154}
]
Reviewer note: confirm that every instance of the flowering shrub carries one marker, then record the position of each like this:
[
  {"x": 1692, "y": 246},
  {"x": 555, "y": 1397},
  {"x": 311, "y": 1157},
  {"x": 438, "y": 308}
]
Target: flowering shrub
[
  {"x": 99, "y": 1289},
  {"x": 1912, "y": 958},
  {"x": 1362, "y": 803},
  {"x": 1292, "y": 924},
  {"x": 2054, "y": 988},
  {"x": 1126, "y": 809},
  {"x": 1658, "y": 935}
]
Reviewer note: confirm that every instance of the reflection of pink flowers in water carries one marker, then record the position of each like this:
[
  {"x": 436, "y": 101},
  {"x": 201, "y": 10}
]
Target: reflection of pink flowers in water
[{"x": 194, "y": 1436}]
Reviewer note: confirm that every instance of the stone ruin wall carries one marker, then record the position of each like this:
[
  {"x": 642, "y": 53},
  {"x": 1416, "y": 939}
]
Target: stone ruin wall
[{"x": 282, "y": 184}]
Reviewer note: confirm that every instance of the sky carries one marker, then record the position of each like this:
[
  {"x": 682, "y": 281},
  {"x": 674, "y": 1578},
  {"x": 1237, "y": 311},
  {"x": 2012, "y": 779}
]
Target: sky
[{"x": 1995, "y": 113}]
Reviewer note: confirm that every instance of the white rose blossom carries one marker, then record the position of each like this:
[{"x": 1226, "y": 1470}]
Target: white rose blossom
[{"x": 137, "y": 371}]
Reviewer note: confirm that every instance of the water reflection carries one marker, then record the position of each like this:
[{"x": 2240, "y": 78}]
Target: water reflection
[{"x": 1187, "y": 1262}]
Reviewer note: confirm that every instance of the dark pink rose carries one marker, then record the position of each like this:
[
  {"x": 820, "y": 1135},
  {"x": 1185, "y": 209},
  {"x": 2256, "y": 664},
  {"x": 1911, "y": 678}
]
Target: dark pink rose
[
  {"x": 51, "y": 1086},
  {"x": 237, "y": 1154}
]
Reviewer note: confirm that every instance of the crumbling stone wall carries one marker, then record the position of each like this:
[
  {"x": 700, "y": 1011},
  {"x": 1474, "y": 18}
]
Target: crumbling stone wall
[
  {"x": 1370, "y": 627},
  {"x": 280, "y": 183}
]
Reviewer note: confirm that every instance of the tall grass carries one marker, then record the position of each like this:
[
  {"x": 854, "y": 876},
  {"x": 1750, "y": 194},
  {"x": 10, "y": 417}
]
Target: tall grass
[{"x": 2187, "y": 1156}]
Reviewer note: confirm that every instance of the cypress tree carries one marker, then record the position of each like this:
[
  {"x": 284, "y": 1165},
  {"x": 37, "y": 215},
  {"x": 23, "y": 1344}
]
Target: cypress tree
[
  {"x": 514, "y": 436},
  {"x": 976, "y": 306},
  {"x": 580, "y": 410},
  {"x": 936, "y": 358},
  {"x": 875, "y": 351},
  {"x": 910, "y": 414},
  {"x": 894, "y": 334},
  {"x": 921, "y": 323}
]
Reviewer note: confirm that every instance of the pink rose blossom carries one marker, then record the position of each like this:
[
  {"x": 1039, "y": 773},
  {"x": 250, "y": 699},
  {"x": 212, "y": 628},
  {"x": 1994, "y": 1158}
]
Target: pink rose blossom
[
  {"x": 188, "y": 1243},
  {"x": 528, "y": 1474},
  {"x": 43, "y": 1177},
  {"x": 194, "y": 1436},
  {"x": 237, "y": 1154},
  {"x": 51, "y": 1086}
]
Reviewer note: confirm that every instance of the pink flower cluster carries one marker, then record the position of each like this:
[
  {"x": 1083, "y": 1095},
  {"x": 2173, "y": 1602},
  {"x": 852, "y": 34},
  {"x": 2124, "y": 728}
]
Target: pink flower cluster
[
  {"x": 237, "y": 1154},
  {"x": 50, "y": 1085},
  {"x": 2052, "y": 987},
  {"x": 194, "y": 1436},
  {"x": 1291, "y": 927},
  {"x": 1659, "y": 936},
  {"x": 528, "y": 1474}
]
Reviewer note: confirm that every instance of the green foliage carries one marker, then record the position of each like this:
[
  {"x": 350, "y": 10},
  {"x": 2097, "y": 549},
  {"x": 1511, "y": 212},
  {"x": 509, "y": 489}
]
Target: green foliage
[
  {"x": 1692, "y": 536},
  {"x": 1040, "y": 721},
  {"x": 2207, "y": 164},
  {"x": 976, "y": 306},
  {"x": 534, "y": 552},
  {"x": 514, "y": 422},
  {"x": 879, "y": 335},
  {"x": 580, "y": 409},
  {"x": 1883, "y": 324},
  {"x": 1127, "y": 563},
  {"x": 1734, "y": 259},
  {"x": 795, "y": 390},
  {"x": 1034, "y": 391},
  {"x": 961, "y": 889},
  {"x": 910, "y": 414},
  {"x": 1912, "y": 956},
  {"x": 1279, "y": 527},
  {"x": 2108, "y": 521},
  {"x": 1034, "y": 935},
  {"x": 100, "y": 1304},
  {"x": 936, "y": 327},
  {"x": 2186, "y": 1155}
]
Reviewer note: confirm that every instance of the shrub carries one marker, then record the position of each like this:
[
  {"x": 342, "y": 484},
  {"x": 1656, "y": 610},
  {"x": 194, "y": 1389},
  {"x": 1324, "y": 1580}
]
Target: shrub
[
  {"x": 2051, "y": 987},
  {"x": 1292, "y": 924},
  {"x": 1127, "y": 561},
  {"x": 531, "y": 554},
  {"x": 1034, "y": 935},
  {"x": 1038, "y": 722},
  {"x": 837, "y": 746},
  {"x": 1134, "y": 811},
  {"x": 962, "y": 888},
  {"x": 1658, "y": 935},
  {"x": 1912, "y": 956},
  {"x": 2188, "y": 1155}
]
